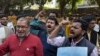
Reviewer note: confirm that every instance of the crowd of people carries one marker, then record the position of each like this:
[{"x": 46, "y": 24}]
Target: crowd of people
[{"x": 42, "y": 35}]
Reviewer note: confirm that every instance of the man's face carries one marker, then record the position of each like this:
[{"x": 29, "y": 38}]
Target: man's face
[
  {"x": 4, "y": 21},
  {"x": 22, "y": 29},
  {"x": 50, "y": 25},
  {"x": 92, "y": 24},
  {"x": 75, "y": 30}
]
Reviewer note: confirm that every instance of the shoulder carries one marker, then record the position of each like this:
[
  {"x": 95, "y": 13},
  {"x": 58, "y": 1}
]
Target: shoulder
[
  {"x": 34, "y": 37},
  {"x": 88, "y": 43},
  {"x": 12, "y": 36}
]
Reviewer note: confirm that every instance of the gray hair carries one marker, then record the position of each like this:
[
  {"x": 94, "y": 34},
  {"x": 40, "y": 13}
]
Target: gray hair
[{"x": 24, "y": 19}]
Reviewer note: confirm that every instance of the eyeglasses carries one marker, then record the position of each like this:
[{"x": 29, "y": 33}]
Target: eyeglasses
[{"x": 23, "y": 27}]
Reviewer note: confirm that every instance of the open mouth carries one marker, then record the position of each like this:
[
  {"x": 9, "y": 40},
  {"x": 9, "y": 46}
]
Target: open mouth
[
  {"x": 71, "y": 32},
  {"x": 49, "y": 26}
]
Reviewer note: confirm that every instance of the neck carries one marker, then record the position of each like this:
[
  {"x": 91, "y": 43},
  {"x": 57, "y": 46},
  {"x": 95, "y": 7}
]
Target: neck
[
  {"x": 21, "y": 38},
  {"x": 49, "y": 32},
  {"x": 76, "y": 39}
]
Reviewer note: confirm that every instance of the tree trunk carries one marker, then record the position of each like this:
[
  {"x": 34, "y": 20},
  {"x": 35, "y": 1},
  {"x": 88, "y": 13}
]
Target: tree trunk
[
  {"x": 40, "y": 7},
  {"x": 21, "y": 8}
]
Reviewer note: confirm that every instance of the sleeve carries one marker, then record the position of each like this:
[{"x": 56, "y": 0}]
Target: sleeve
[
  {"x": 39, "y": 48},
  {"x": 4, "y": 48},
  {"x": 94, "y": 52},
  {"x": 57, "y": 41}
]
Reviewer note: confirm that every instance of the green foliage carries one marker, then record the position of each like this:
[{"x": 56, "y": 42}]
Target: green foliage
[
  {"x": 41, "y": 3},
  {"x": 74, "y": 3},
  {"x": 49, "y": 0},
  {"x": 92, "y": 2}
]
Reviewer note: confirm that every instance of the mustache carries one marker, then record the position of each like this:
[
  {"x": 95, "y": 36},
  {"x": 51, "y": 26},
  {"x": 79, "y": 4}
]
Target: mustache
[{"x": 71, "y": 31}]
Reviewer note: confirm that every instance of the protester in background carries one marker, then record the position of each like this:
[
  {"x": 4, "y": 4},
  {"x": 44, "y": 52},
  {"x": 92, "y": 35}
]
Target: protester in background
[
  {"x": 38, "y": 23},
  {"x": 12, "y": 18},
  {"x": 91, "y": 34},
  {"x": 5, "y": 31},
  {"x": 51, "y": 24}
]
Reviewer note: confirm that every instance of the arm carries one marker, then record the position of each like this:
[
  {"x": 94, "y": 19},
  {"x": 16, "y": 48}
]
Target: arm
[
  {"x": 4, "y": 47},
  {"x": 57, "y": 41},
  {"x": 56, "y": 30},
  {"x": 39, "y": 14}
]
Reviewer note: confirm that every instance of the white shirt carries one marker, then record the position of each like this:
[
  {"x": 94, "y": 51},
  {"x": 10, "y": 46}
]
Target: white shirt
[
  {"x": 2, "y": 34},
  {"x": 96, "y": 28},
  {"x": 58, "y": 41},
  {"x": 10, "y": 26}
]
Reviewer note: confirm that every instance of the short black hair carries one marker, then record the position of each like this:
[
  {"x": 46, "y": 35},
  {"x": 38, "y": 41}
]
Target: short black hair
[
  {"x": 88, "y": 18},
  {"x": 84, "y": 24},
  {"x": 54, "y": 19}
]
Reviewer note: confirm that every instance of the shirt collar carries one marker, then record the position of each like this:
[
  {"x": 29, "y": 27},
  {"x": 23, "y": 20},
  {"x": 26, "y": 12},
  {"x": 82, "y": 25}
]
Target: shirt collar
[{"x": 74, "y": 43}]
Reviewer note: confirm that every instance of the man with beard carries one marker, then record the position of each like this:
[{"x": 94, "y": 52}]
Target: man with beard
[
  {"x": 51, "y": 24},
  {"x": 76, "y": 38},
  {"x": 41, "y": 29},
  {"x": 91, "y": 34},
  {"x": 5, "y": 30},
  {"x": 22, "y": 43}
]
